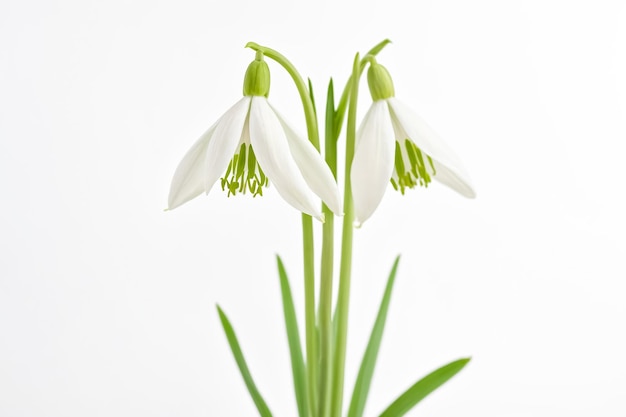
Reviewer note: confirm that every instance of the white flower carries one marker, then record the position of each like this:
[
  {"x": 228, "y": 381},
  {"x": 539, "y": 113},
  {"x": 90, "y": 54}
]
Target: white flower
[
  {"x": 248, "y": 145},
  {"x": 394, "y": 144}
]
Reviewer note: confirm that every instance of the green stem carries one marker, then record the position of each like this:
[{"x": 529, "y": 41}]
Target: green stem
[
  {"x": 343, "y": 298},
  {"x": 326, "y": 280},
  {"x": 309, "y": 110},
  {"x": 343, "y": 102},
  {"x": 307, "y": 232},
  {"x": 325, "y": 314},
  {"x": 309, "y": 313}
]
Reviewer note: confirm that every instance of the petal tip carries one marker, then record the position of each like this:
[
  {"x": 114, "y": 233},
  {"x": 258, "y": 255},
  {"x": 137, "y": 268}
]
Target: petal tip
[
  {"x": 173, "y": 202},
  {"x": 469, "y": 192}
]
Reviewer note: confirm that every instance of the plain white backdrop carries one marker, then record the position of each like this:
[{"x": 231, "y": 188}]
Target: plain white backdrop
[{"x": 107, "y": 303}]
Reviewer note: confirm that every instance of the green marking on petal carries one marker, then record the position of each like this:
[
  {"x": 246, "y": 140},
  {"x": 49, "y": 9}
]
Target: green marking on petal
[
  {"x": 230, "y": 167},
  {"x": 393, "y": 182},
  {"x": 410, "y": 150},
  {"x": 241, "y": 163},
  {"x": 399, "y": 167},
  {"x": 411, "y": 168},
  {"x": 424, "y": 178},
  {"x": 262, "y": 176},
  {"x": 432, "y": 165},
  {"x": 244, "y": 173},
  {"x": 251, "y": 164}
]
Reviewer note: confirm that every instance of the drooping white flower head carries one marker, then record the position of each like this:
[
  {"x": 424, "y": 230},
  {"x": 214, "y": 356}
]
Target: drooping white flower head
[
  {"x": 395, "y": 145},
  {"x": 252, "y": 145}
]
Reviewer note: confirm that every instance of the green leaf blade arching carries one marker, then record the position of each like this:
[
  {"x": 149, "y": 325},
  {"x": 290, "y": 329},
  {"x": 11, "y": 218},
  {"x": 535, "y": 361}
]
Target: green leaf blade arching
[
  {"x": 311, "y": 95},
  {"x": 379, "y": 47},
  {"x": 422, "y": 388},
  {"x": 264, "y": 411},
  {"x": 343, "y": 101},
  {"x": 368, "y": 363},
  {"x": 293, "y": 338},
  {"x": 330, "y": 144}
]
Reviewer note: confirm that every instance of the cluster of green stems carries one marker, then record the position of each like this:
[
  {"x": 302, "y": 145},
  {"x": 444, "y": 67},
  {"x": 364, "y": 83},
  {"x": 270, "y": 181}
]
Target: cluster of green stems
[{"x": 326, "y": 336}]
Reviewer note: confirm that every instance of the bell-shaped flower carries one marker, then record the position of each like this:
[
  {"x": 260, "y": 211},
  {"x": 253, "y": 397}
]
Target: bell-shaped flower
[
  {"x": 395, "y": 145},
  {"x": 252, "y": 145}
]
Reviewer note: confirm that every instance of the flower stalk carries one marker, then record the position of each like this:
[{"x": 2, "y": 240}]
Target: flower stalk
[
  {"x": 309, "y": 110},
  {"x": 345, "y": 269},
  {"x": 327, "y": 268},
  {"x": 308, "y": 244}
]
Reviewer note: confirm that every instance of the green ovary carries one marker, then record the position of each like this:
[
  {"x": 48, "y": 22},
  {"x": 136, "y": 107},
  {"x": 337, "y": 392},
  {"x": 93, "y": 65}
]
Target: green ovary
[
  {"x": 244, "y": 174},
  {"x": 412, "y": 167}
]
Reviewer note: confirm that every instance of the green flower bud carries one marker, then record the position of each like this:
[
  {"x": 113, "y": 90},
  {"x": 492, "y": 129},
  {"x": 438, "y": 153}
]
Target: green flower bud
[
  {"x": 379, "y": 81},
  {"x": 257, "y": 78}
]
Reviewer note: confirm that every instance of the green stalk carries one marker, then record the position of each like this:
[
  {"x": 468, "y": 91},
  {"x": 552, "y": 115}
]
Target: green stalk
[
  {"x": 309, "y": 314},
  {"x": 309, "y": 109},
  {"x": 345, "y": 270},
  {"x": 326, "y": 280},
  {"x": 307, "y": 231},
  {"x": 343, "y": 101}
]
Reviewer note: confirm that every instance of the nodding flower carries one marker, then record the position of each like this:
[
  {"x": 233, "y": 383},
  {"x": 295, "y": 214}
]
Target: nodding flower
[
  {"x": 395, "y": 145},
  {"x": 251, "y": 146}
]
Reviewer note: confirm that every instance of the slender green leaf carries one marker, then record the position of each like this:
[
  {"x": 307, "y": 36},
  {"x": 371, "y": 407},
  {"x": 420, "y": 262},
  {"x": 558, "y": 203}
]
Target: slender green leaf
[
  {"x": 422, "y": 388},
  {"x": 343, "y": 101},
  {"x": 311, "y": 95},
  {"x": 264, "y": 411},
  {"x": 345, "y": 267},
  {"x": 379, "y": 47},
  {"x": 325, "y": 334},
  {"x": 364, "y": 378},
  {"x": 330, "y": 144},
  {"x": 293, "y": 337},
  {"x": 331, "y": 147}
]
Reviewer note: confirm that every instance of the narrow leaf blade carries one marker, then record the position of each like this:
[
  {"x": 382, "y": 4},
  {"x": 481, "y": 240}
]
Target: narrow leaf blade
[
  {"x": 293, "y": 337},
  {"x": 368, "y": 363},
  {"x": 422, "y": 388},
  {"x": 379, "y": 47},
  {"x": 264, "y": 411},
  {"x": 330, "y": 136},
  {"x": 311, "y": 95}
]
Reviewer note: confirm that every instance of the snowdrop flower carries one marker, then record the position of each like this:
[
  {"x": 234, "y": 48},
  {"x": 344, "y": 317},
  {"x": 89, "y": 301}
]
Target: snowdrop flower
[
  {"x": 395, "y": 145},
  {"x": 252, "y": 145}
]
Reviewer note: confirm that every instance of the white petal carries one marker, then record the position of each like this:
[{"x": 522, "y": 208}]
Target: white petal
[
  {"x": 223, "y": 144},
  {"x": 272, "y": 151},
  {"x": 313, "y": 168},
  {"x": 450, "y": 169},
  {"x": 372, "y": 165},
  {"x": 450, "y": 178},
  {"x": 188, "y": 179}
]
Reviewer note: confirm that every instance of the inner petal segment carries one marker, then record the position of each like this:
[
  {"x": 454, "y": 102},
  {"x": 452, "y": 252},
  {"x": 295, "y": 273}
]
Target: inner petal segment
[
  {"x": 244, "y": 173},
  {"x": 412, "y": 167}
]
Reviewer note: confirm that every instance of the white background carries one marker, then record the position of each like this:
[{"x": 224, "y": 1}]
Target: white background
[{"x": 107, "y": 303}]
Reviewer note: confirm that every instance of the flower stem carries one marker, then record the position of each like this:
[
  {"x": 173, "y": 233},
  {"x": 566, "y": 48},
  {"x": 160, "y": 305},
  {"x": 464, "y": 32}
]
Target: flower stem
[
  {"x": 309, "y": 313},
  {"x": 343, "y": 101},
  {"x": 307, "y": 232},
  {"x": 345, "y": 269},
  {"x": 309, "y": 110},
  {"x": 326, "y": 279}
]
